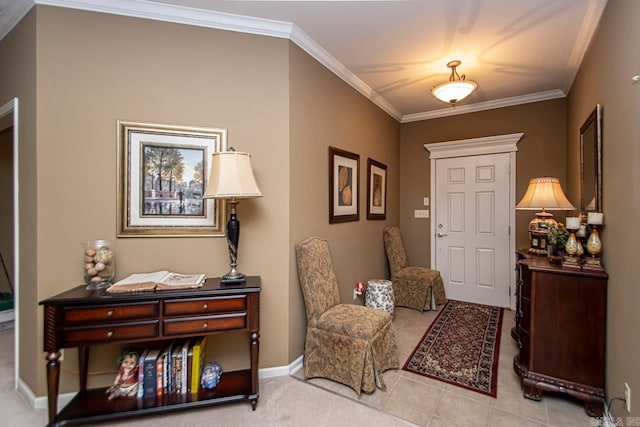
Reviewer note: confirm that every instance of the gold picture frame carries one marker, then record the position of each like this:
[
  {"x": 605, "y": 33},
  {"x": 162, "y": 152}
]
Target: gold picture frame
[
  {"x": 344, "y": 173},
  {"x": 162, "y": 174},
  {"x": 376, "y": 190}
]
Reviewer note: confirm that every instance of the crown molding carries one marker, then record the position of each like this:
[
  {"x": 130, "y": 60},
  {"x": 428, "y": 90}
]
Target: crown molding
[
  {"x": 179, "y": 15},
  {"x": 309, "y": 45},
  {"x": 12, "y": 14},
  {"x": 487, "y": 105}
]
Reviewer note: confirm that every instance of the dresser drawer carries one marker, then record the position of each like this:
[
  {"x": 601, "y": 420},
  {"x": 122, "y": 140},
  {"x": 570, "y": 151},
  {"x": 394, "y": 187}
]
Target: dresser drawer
[
  {"x": 110, "y": 313},
  {"x": 108, "y": 333},
  {"x": 198, "y": 306},
  {"x": 195, "y": 325}
]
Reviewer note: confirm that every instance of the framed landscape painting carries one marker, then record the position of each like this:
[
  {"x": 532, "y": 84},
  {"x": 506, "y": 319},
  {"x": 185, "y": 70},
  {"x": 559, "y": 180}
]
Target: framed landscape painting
[
  {"x": 162, "y": 173},
  {"x": 344, "y": 170},
  {"x": 376, "y": 190}
]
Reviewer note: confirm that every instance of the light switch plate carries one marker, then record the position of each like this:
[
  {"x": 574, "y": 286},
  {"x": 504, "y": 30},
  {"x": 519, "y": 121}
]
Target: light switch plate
[
  {"x": 421, "y": 213},
  {"x": 426, "y": 201}
]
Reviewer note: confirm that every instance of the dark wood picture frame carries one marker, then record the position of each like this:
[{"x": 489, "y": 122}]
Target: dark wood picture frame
[
  {"x": 344, "y": 191},
  {"x": 376, "y": 190}
]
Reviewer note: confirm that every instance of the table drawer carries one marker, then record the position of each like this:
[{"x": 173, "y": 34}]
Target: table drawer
[
  {"x": 108, "y": 333},
  {"x": 194, "y": 325},
  {"x": 110, "y": 313},
  {"x": 205, "y": 305}
]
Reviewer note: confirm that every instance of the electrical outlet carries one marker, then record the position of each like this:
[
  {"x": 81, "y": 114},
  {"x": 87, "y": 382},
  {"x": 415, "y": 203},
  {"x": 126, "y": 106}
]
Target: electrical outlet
[{"x": 627, "y": 396}]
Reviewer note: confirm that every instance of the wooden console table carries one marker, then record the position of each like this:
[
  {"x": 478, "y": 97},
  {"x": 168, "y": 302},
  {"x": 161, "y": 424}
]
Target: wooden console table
[
  {"x": 560, "y": 330},
  {"x": 81, "y": 318}
]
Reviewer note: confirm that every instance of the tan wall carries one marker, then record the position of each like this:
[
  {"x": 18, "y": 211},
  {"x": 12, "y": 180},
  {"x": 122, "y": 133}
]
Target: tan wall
[
  {"x": 18, "y": 79},
  {"x": 605, "y": 78},
  {"x": 541, "y": 151},
  {"x": 325, "y": 112},
  {"x": 94, "y": 69}
]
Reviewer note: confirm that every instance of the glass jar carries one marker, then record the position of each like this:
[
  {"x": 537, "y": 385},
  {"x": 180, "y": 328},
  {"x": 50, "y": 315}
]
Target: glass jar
[{"x": 99, "y": 264}]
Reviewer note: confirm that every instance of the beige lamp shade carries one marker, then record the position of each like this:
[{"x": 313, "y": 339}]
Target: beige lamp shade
[
  {"x": 231, "y": 177},
  {"x": 545, "y": 193}
]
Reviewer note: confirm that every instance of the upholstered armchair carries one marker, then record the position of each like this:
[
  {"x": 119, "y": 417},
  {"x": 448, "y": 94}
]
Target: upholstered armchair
[
  {"x": 347, "y": 343},
  {"x": 413, "y": 287}
]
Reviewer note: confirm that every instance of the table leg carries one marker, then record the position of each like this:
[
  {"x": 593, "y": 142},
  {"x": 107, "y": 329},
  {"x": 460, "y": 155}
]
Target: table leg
[
  {"x": 53, "y": 381},
  {"x": 83, "y": 364},
  {"x": 255, "y": 349}
]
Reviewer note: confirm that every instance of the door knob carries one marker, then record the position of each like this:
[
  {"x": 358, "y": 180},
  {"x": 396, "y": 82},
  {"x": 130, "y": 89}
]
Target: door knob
[{"x": 442, "y": 234}]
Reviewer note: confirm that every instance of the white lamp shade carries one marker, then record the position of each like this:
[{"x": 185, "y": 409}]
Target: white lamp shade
[
  {"x": 452, "y": 92},
  {"x": 545, "y": 193},
  {"x": 231, "y": 176}
]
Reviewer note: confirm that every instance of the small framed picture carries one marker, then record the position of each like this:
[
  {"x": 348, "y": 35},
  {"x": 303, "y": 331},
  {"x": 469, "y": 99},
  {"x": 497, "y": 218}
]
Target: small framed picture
[
  {"x": 344, "y": 170},
  {"x": 376, "y": 190},
  {"x": 162, "y": 173}
]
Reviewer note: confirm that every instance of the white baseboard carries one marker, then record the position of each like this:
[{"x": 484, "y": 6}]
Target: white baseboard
[{"x": 40, "y": 402}]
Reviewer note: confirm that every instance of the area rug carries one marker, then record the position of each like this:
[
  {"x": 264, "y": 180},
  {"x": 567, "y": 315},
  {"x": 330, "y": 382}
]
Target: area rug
[{"x": 461, "y": 347}]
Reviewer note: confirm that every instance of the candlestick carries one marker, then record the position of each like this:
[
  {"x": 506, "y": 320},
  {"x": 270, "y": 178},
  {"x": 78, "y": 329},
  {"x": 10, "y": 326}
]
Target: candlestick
[
  {"x": 573, "y": 223},
  {"x": 595, "y": 218}
]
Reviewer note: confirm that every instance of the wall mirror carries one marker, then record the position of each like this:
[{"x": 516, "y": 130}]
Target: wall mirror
[{"x": 591, "y": 162}]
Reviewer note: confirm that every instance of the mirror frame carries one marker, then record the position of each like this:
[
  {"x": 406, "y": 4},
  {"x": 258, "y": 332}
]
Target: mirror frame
[{"x": 594, "y": 119}]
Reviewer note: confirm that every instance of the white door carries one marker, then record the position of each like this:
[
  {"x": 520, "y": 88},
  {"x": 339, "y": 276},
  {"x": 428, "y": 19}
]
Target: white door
[{"x": 472, "y": 211}]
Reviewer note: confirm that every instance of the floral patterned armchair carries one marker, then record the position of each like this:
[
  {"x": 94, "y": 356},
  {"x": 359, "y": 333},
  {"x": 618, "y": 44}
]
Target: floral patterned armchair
[
  {"x": 347, "y": 343},
  {"x": 412, "y": 286}
]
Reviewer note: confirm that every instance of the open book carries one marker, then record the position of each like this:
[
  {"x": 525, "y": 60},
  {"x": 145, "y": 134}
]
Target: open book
[{"x": 160, "y": 280}]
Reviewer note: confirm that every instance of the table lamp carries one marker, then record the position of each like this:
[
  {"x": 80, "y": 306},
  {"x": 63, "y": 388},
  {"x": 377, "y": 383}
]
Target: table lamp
[
  {"x": 232, "y": 179},
  {"x": 544, "y": 193}
]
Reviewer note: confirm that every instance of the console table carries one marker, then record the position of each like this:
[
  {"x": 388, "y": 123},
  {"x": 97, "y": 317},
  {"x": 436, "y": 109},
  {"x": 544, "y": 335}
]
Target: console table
[
  {"x": 560, "y": 330},
  {"x": 81, "y": 318}
]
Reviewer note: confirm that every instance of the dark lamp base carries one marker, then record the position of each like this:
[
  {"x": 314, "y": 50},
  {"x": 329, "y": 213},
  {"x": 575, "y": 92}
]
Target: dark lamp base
[{"x": 233, "y": 280}]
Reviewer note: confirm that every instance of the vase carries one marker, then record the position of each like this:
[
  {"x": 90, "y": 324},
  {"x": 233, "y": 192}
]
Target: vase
[
  {"x": 594, "y": 245},
  {"x": 99, "y": 264}
]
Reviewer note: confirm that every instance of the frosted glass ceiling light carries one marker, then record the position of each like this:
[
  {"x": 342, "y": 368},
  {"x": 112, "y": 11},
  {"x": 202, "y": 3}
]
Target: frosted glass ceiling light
[{"x": 456, "y": 89}]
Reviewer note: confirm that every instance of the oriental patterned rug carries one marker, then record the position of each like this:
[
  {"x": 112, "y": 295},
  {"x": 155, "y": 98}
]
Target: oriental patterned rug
[{"x": 461, "y": 347}]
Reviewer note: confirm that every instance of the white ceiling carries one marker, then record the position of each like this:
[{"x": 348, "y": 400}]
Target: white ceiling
[{"x": 394, "y": 52}]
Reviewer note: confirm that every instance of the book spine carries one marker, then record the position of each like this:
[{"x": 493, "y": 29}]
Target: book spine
[
  {"x": 150, "y": 381},
  {"x": 141, "y": 374},
  {"x": 159, "y": 374},
  {"x": 185, "y": 367},
  {"x": 195, "y": 366}
]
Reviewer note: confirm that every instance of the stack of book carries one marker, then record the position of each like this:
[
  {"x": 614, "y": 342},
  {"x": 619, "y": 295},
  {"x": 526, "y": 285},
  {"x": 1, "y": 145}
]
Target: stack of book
[{"x": 176, "y": 369}]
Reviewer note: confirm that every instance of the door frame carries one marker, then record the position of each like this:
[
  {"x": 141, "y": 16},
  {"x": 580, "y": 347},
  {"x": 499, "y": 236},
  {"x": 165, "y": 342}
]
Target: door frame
[
  {"x": 474, "y": 147},
  {"x": 11, "y": 107}
]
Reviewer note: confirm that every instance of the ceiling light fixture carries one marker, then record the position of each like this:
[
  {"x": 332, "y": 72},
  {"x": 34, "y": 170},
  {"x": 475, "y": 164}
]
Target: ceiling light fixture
[{"x": 456, "y": 89}]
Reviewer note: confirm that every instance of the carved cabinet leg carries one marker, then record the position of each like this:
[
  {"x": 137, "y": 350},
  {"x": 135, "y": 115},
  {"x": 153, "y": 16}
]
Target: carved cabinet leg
[{"x": 53, "y": 381}]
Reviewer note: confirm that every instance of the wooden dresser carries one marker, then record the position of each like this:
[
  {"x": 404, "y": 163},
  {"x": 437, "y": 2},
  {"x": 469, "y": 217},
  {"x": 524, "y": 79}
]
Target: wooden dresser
[
  {"x": 560, "y": 330},
  {"x": 81, "y": 318}
]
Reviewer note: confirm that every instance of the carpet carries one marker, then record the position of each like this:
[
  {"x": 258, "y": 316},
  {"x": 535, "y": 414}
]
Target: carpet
[{"x": 461, "y": 347}]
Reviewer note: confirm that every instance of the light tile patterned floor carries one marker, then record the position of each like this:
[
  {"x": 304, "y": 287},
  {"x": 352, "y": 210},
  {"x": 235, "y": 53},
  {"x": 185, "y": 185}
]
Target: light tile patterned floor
[{"x": 428, "y": 402}]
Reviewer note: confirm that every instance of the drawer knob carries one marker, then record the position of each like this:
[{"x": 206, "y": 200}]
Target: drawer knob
[
  {"x": 205, "y": 325},
  {"x": 109, "y": 334},
  {"x": 109, "y": 313},
  {"x": 205, "y": 306}
]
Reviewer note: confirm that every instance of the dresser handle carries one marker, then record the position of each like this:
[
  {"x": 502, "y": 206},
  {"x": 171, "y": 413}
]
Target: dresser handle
[
  {"x": 109, "y": 313},
  {"x": 205, "y": 306},
  {"x": 205, "y": 325},
  {"x": 109, "y": 334}
]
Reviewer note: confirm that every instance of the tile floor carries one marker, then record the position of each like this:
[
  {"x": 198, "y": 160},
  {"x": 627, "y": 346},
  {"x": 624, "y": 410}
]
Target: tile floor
[{"x": 428, "y": 402}]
